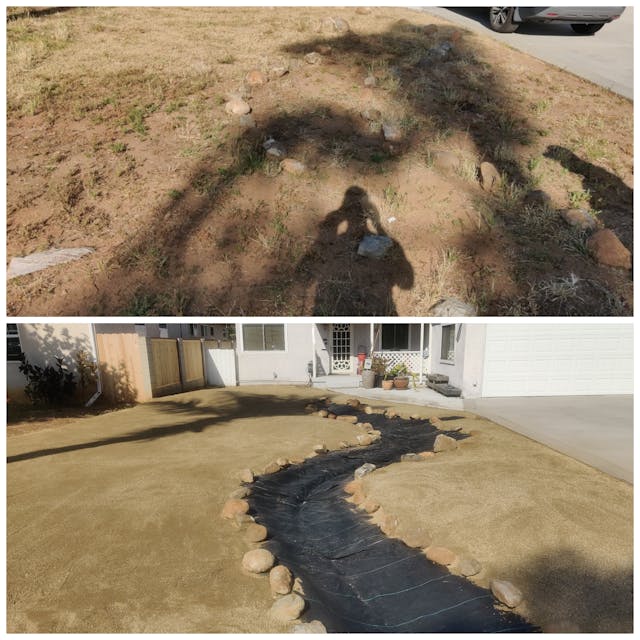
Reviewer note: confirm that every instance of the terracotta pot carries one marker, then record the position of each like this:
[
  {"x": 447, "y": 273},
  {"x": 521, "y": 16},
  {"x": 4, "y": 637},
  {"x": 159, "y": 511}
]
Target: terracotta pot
[
  {"x": 387, "y": 385},
  {"x": 401, "y": 383}
]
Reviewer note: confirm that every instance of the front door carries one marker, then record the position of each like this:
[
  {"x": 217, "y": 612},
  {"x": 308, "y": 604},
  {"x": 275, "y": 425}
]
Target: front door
[{"x": 341, "y": 348}]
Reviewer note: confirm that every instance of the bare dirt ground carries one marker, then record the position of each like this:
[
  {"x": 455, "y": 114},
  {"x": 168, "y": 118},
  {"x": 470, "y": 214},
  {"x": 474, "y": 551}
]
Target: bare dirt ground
[
  {"x": 113, "y": 521},
  {"x": 118, "y": 140}
]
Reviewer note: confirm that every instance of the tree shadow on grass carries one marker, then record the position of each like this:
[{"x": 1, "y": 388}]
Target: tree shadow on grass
[{"x": 190, "y": 416}]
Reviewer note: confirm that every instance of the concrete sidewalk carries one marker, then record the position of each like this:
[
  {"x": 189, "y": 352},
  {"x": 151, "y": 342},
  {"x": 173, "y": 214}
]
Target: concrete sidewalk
[{"x": 596, "y": 430}]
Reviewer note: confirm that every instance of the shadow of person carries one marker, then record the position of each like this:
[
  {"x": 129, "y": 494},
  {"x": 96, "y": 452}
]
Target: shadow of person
[
  {"x": 608, "y": 194},
  {"x": 343, "y": 283}
]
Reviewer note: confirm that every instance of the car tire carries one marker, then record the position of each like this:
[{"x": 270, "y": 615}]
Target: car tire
[
  {"x": 501, "y": 19},
  {"x": 586, "y": 29}
]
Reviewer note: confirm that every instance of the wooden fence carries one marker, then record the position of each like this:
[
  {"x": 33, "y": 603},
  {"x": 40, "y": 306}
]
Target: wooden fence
[
  {"x": 192, "y": 365},
  {"x": 121, "y": 367}
]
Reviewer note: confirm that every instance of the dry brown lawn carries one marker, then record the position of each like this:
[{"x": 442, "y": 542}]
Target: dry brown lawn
[{"x": 118, "y": 140}]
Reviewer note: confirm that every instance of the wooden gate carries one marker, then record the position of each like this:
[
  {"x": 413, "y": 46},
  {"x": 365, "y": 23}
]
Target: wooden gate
[
  {"x": 121, "y": 367},
  {"x": 192, "y": 365},
  {"x": 164, "y": 366}
]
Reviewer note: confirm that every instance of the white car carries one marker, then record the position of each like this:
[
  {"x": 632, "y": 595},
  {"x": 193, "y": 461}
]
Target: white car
[{"x": 583, "y": 20}]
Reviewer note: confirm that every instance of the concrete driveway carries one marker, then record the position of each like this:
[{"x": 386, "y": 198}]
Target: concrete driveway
[
  {"x": 605, "y": 58},
  {"x": 597, "y": 430}
]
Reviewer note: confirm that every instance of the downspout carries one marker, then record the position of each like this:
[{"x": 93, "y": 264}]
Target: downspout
[
  {"x": 98, "y": 392},
  {"x": 314, "y": 371},
  {"x": 421, "y": 351}
]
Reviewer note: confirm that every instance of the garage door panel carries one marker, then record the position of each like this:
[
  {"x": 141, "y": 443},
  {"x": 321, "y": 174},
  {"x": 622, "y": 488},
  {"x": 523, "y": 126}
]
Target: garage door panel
[{"x": 539, "y": 360}]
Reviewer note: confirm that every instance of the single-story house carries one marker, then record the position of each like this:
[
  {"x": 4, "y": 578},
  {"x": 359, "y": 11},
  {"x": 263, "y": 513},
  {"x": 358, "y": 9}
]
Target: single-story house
[{"x": 499, "y": 359}]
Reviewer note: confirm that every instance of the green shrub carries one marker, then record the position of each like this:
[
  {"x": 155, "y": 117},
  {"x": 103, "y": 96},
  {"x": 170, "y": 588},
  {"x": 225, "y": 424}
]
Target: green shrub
[{"x": 48, "y": 385}]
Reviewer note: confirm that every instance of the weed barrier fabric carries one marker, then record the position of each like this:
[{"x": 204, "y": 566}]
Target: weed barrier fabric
[{"x": 355, "y": 578}]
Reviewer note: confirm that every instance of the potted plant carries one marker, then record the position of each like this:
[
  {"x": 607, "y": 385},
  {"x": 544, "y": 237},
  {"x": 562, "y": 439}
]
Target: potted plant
[
  {"x": 379, "y": 366},
  {"x": 400, "y": 374},
  {"x": 387, "y": 381}
]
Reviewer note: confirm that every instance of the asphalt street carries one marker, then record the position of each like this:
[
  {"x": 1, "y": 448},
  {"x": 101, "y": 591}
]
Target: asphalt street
[{"x": 605, "y": 58}]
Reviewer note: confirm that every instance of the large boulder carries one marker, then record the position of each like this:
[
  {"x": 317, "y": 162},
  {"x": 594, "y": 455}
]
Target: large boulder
[{"x": 608, "y": 250}]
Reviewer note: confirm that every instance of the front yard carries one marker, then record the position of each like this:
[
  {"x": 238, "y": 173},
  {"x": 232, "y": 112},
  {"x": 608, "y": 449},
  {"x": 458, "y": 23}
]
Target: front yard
[{"x": 113, "y": 521}]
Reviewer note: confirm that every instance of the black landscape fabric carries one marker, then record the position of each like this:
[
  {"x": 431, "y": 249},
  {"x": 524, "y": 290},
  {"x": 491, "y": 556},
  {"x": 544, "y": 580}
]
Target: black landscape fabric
[{"x": 355, "y": 578}]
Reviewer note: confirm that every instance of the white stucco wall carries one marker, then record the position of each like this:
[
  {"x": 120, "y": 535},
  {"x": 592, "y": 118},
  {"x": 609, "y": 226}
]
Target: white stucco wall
[
  {"x": 288, "y": 366},
  {"x": 42, "y": 343}
]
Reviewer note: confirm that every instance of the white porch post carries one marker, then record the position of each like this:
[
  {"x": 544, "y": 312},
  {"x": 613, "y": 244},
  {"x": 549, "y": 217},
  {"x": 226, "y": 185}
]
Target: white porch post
[
  {"x": 371, "y": 338},
  {"x": 313, "y": 352},
  {"x": 421, "y": 351}
]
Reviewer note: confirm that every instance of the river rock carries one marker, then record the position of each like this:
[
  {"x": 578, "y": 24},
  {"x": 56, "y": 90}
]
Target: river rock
[
  {"x": 411, "y": 457},
  {"x": 368, "y": 410},
  {"x": 283, "y": 462},
  {"x": 258, "y": 561},
  {"x": 242, "y": 492},
  {"x": 289, "y": 607},
  {"x": 353, "y": 402},
  {"x": 315, "y": 626},
  {"x": 440, "y": 555},
  {"x": 323, "y": 413},
  {"x": 452, "y": 307},
  {"x": 255, "y": 533},
  {"x": 364, "y": 440},
  {"x": 332, "y": 416},
  {"x": 234, "y": 507},
  {"x": 313, "y": 58},
  {"x": 280, "y": 580},
  {"x": 365, "y": 469},
  {"x": 255, "y": 78},
  {"x": 437, "y": 423},
  {"x": 272, "y": 467},
  {"x": 349, "y": 419},
  {"x": 490, "y": 176},
  {"x": 444, "y": 443},
  {"x": 353, "y": 486},
  {"x": 608, "y": 250},
  {"x": 374, "y": 246},
  {"x": 246, "y": 475},
  {"x": 294, "y": 167},
  {"x": 320, "y": 448},
  {"x": 415, "y": 537},
  {"x": 506, "y": 593},
  {"x": 335, "y": 25},
  {"x": 237, "y": 107},
  {"x": 579, "y": 218},
  {"x": 468, "y": 566}
]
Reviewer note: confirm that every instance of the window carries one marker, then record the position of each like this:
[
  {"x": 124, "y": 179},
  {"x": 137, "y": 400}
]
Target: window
[
  {"x": 263, "y": 337},
  {"x": 447, "y": 351},
  {"x": 395, "y": 337},
  {"x": 14, "y": 350}
]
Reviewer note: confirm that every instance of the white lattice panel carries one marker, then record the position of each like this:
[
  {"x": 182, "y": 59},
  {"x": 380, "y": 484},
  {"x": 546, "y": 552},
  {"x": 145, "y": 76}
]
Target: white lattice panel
[{"x": 410, "y": 358}]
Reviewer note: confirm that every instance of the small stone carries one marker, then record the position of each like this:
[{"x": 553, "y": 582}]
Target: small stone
[
  {"x": 367, "y": 426},
  {"x": 294, "y": 167},
  {"x": 579, "y": 218},
  {"x": 323, "y": 413},
  {"x": 468, "y": 566},
  {"x": 437, "y": 423},
  {"x": 289, "y": 607},
  {"x": 234, "y": 507},
  {"x": 255, "y": 533},
  {"x": 242, "y": 492},
  {"x": 358, "y": 498},
  {"x": 389, "y": 525},
  {"x": 246, "y": 475},
  {"x": 440, "y": 555},
  {"x": 258, "y": 561},
  {"x": 392, "y": 132},
  {"x": 344, "y": 445},
  {"x": 353, "y": 486},
  {"x": 391, "y": 413},
  {"x": 349, "y": 419},
  {"x": 364, "y": 440},
  {"x": 365, "y": 469},
  {"x": 372, "y": 115},
  {"x": 506, "y": 593},
  {"x": 315, "y": 626},
  {"x": 537, "y": 198},
  {"x": 490, "y": 176},
  {"x": 273, "y": 148},
  {"x": 272, "y": 467},
  {"x": 237, "y": 107},
  {"x": 370, "y": 506},
  {"x": 368, "y": 410},
  {"x": 374, "y": 246},
  {"x": 363, "y": 11},
  {"x": 280, "y": 580},
  {"x": 427, "y": 454},
  {"x": 313, "y": 58},
  {"x": 353, "y": 402},
  {"x": 446, "y": 161},
  {"x": 297, "y": 586},
  {"x": 335, "y": 25},
  {"x": 255, "y": 78},
  {"x": 311, "y": 408},
  {"x": 411, "y": 457},
  {"x": 282, "y": 462},
  {"x": 320, "y": 448},
  {"x": 444, "y": 443},
  {"x": 332, "y": 416},
  {"x": 370, "y": 81},
  {"x": 608, "y": 250},
  {"x": 452, "y": 307},
  {"x": 240, "y": 519},
  {"x": 415, "y": 537},
  {"x": 325, "y": 49},
  {"x": 278, "y": 72}
]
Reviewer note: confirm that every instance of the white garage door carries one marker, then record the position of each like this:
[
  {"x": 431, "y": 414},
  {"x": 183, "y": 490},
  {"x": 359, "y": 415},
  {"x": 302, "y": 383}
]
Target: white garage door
[{"x": 551, "y": 360}]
